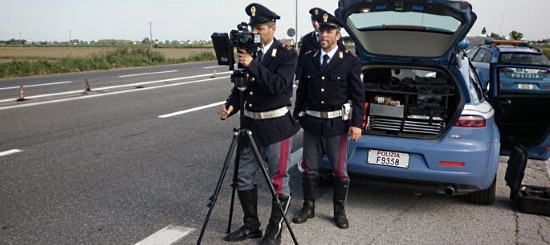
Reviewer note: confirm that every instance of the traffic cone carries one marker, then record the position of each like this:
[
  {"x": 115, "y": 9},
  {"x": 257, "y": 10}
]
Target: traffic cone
[
  {"x": 87, "y": 85},
  {"x": 21, "y": 93},
  {"x": 213, "y": 74}
]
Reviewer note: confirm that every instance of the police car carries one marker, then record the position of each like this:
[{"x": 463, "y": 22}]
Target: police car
[
  {"x": 427, "y": 124},
  {"x": 512, "y": 52},
  {"x": 518, "y": 84}
]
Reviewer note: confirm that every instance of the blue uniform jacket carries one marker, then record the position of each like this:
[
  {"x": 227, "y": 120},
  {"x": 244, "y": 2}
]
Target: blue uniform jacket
[
  {"x": 269, "y": 87},
  {"x": 328, "y": 91}
]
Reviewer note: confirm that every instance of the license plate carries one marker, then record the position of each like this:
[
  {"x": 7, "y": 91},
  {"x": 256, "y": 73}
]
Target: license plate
[
  {"x": 388, "y": 158},
  {"x": 526, "y": 86}
]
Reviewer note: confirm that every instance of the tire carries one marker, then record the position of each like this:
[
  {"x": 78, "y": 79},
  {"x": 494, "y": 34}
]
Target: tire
[{"x": 484, "y": 197}]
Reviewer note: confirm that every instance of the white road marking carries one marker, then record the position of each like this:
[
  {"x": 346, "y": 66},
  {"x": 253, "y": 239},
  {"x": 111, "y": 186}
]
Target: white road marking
[
  {"x": 35, "y": 85},
  {"x": 167, "y": 235},
  {"x": 43, "y": 95},
  {"x": 114, "y": 87},
  {"x": 106, "y": 94},
  {"x": 208, "y": 67},
  {"x": 149, "y": 73},
  {"x": 192, "y": 109},
  {"x": 5, "y": 153}
]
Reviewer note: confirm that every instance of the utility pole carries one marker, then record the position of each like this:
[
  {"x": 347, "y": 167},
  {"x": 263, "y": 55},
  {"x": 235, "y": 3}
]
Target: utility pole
[
  {"x": 500, "y": 30},
  {"x": 20, "y": 40},
  {"x": 296, "y": 42},
  {"x": 70, "y": 39},
  {"x": 151, "y": 34}
]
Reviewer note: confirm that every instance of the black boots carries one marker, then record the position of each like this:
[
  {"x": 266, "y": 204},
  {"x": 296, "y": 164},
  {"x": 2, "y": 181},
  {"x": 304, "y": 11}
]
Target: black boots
[
  {"x": 309, "y": 183},
  {"x": 339, "y": 199},
  {"x": 252, "y": 227},
  {"x": 275, "y": 225}
]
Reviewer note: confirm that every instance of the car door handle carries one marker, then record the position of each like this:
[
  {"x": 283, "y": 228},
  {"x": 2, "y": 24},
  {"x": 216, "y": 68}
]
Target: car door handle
[{"x": 505, "y": 102}]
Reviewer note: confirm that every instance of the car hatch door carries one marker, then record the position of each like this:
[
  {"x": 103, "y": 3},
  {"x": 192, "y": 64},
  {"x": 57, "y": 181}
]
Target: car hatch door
[{"x": 521, "y": 104}]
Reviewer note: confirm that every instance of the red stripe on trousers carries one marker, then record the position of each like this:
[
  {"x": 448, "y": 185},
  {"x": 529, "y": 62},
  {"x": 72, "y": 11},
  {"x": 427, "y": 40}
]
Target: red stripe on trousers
[
  {"x": 342, "y": 157},
  {"x": 283, "y": 162}
]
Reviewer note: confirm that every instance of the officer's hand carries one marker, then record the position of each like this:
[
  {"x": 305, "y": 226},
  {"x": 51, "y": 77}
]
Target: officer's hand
[
  {"x": 297, "y": 82},
  {"x": 355, "y": 133},
  {"x": 224, "y": 112},
  {"x": 244, "y": 57}
]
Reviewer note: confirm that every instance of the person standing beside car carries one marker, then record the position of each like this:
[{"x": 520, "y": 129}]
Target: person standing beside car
[
  {"x": 310, "y": 41},
  {"x": 267, "y": 95},
  {"x": 330, "y": 78}
]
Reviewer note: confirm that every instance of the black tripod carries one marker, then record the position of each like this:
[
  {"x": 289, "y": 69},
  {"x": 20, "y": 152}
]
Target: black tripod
[{"x": 239, "y": 78}]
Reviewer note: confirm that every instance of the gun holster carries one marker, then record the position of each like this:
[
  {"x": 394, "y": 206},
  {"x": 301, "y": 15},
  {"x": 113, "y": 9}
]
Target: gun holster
[{"x": 346, "y": 111}]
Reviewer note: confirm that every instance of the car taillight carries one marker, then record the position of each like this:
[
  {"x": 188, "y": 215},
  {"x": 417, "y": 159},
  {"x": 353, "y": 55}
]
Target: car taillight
[
  {"x": 451, "y": 164},
  {"x": 544, "y": 72},
  {"x": 471, "y": 122},
  {"x": 507, "y": 70}
]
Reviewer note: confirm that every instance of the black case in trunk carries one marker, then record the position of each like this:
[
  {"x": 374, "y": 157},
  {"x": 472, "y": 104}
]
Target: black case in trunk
[{"x": 527, "y": 198}]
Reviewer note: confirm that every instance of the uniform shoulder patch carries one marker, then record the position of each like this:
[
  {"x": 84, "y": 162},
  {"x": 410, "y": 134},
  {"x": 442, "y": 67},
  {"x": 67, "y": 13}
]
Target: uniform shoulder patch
[{"x": 351, "y": 53}]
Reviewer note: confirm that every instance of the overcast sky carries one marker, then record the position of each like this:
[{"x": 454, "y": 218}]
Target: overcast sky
[{"x": 59, "y": 20}]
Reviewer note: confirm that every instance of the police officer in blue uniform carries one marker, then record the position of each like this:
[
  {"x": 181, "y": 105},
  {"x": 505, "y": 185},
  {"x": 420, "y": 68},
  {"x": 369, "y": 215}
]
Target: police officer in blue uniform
[
  {"x": 329, "y": 107},
  {"x": 271, "y": 71},
  {"x": 310, "y": 41}
]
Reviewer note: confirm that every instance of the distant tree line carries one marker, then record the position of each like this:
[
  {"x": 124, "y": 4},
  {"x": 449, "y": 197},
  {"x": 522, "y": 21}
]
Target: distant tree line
[
  {"x": 516, "y": 35},
  {"x": 107, "y": 42}
]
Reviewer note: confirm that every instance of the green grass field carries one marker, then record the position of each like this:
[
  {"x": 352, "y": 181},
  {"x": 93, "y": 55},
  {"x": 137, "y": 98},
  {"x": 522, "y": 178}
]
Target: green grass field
[{"x": 29, "y": 61}]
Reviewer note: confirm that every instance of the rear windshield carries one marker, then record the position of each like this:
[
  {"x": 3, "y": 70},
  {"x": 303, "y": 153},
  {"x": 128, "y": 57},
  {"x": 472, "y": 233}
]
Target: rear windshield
[
  {"x": 523, "y": 59},
  {"x": 412, "y": 20}
]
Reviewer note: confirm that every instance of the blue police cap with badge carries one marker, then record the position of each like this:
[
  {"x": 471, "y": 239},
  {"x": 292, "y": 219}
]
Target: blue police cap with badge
[
  {"x": 316, "y": 13},
  {"x": 328, "y": 21},
  {"x": 260, "y": 14}
]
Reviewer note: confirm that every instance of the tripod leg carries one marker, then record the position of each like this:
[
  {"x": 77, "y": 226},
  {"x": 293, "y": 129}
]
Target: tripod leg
[
  {"x": 276, "y": 199},
  {"x": 214, "y": 197}
]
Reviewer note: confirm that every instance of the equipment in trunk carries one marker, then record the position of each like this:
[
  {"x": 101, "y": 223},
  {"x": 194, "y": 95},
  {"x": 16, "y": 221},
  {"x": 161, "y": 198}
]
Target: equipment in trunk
[{"x": 408, "y": 101}]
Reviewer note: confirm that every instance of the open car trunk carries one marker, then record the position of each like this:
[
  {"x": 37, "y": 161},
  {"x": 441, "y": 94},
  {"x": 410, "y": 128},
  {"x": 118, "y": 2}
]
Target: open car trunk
[{"x": 408, "y": 101}]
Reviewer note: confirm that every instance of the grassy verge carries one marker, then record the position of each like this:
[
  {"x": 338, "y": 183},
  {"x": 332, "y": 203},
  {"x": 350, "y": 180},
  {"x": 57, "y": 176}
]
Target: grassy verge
[{"x": 109, "y": 59}]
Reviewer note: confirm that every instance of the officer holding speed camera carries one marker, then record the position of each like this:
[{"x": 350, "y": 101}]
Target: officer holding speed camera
[
  {"x": 329, "y": 107},
  {"x": 267, "y": 95}
]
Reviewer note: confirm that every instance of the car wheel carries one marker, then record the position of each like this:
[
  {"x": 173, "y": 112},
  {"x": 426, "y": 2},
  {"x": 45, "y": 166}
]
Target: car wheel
[{"x": 484, "y": 197}]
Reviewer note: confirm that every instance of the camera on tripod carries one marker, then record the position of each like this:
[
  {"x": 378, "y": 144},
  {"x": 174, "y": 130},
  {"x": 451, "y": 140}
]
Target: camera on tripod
[
  {"x": 242, "y": 38},
  {"x": 224, "y": 45}
]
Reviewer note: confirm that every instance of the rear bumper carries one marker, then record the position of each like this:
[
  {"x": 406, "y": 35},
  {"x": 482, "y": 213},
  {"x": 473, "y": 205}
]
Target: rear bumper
[
  {"x": 414, "y": 185},
  {"x": 425, "y": 173}
]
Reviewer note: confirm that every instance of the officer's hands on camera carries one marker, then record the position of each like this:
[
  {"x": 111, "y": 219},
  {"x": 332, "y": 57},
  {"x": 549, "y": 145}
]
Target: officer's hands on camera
[
  {"x": 244, "y": 57},
  {"x": 246, "y": 43}
]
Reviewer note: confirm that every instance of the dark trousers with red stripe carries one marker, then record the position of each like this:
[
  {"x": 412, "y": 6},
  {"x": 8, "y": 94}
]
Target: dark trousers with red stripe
[
  {"x": 277, "y": 157},
  {"x": 335, "y": 147}
]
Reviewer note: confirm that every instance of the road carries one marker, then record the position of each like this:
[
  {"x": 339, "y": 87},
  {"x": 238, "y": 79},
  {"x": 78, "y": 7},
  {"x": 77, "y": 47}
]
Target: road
[{"x": 135, "y": 160}]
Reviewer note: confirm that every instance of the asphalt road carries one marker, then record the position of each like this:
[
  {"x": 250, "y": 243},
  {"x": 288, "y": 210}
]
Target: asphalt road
[{"x": 136, "y": 158}]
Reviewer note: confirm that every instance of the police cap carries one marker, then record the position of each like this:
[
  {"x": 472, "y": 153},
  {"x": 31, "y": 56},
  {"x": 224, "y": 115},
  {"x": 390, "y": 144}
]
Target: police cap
[
  {"x": 328, "y": 21},
  {"x": 316, "y": 13},
  {"x": 259, "y": 14}
]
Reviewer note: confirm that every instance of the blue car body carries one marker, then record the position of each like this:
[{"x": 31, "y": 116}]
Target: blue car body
[{"x": 427, "y": 125}]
